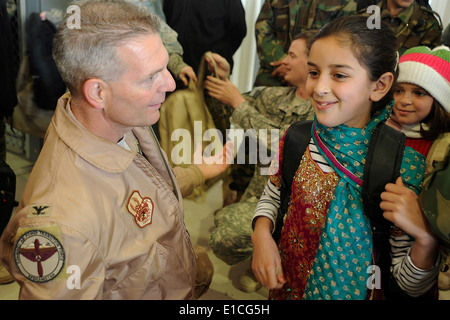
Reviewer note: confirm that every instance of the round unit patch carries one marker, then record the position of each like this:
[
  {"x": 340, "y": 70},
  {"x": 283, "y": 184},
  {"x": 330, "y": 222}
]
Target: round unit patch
[{"x": 39, "y": 256}]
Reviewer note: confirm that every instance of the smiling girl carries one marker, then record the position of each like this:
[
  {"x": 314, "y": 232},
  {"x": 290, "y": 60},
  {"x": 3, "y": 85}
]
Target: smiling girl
[
  {"x": 326, "y": 248},
  {"x": 421, "y": 112},
  {"x": 422, "y": 96}
]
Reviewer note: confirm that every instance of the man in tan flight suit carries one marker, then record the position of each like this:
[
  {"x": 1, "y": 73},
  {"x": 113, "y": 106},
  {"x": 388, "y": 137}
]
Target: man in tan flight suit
[{"x": 102, "y": 215}]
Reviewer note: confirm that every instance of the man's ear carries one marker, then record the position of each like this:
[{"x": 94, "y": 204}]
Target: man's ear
[
  {"x": 94, "y": 92},
  {"x": 382, "y": 86}
]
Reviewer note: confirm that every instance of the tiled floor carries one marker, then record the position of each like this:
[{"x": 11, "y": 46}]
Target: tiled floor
[{"x": 199, "y": 221}]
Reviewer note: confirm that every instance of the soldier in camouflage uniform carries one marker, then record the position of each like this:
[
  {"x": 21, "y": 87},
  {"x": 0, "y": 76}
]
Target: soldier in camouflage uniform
[
  {"x": 264, "y": 108},
  {"x": 280, "y": 20},
  {"x": 413, "y": 24}
]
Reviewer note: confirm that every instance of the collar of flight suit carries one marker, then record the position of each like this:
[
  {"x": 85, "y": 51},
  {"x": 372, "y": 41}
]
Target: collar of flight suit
[
  {"x": 100, "y": 152},
  {"x": 107, "y": 155}
]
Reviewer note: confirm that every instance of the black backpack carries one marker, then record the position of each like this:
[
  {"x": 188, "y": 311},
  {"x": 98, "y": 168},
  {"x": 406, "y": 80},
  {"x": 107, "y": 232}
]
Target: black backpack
[
  {"x": 48, "y": 86},
  {"x": 7, "y": 194},
  {"x": 383, "y": 162}
]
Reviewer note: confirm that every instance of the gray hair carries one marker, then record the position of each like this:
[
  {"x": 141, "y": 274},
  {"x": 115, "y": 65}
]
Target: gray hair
[{"x": 90, "y": 51}]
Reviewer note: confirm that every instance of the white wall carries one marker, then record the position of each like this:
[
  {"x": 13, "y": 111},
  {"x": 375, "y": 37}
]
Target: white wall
[
  {"x": 245, "y": 59},
  {"x": 443, "y": 8}
]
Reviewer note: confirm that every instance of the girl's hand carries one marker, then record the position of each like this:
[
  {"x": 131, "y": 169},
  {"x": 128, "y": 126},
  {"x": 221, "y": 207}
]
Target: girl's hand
[
  {"x": 266, "y": 262},
  {"x": 402, "y": 209}
]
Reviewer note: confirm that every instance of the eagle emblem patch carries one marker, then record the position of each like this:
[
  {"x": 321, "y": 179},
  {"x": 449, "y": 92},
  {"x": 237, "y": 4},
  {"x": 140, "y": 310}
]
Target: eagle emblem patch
[
  {"x": 40, "y": 211},
  {"x": 141, "y": 208}
]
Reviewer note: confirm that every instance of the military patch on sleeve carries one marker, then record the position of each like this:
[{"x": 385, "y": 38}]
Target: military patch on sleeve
[{"x": 39, "y": 254}]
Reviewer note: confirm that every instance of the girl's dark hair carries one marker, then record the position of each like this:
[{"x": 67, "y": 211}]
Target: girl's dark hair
[
  {"x": 375, "y": 48},
  {"x": 438, "y": 121}
]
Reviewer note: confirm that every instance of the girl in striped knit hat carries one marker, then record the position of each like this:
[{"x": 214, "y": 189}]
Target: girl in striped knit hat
[
  {"x": 422, "y": 96},
  {"x": 421, "y": 111}
]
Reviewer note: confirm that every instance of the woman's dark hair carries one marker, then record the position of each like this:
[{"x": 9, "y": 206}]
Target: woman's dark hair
[{"x": 375, "y": 48}]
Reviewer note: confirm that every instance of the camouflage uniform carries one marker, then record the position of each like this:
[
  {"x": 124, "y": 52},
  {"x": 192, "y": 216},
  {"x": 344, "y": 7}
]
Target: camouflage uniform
[
  {"x": 220, "y": 112},
  {"x": 264, "y": 108},
  {"x": 415, "y": 26},
  {"x": 280, "y": 20}
]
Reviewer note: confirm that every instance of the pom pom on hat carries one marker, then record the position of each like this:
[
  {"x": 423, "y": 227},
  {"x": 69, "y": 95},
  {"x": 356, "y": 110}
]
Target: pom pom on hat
[{"x": 429, "y": 69}]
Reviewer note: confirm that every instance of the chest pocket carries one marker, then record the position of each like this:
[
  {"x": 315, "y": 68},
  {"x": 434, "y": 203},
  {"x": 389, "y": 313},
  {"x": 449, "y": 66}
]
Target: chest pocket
[{"x": 280, "y": 11}]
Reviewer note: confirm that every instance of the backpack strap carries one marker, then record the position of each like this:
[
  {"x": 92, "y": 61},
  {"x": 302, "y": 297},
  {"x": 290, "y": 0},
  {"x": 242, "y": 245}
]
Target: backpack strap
[
  {"x": 296, "y": 140},
  {"x": 386, "y": 170},
  {"x": 383, "y": 162}
]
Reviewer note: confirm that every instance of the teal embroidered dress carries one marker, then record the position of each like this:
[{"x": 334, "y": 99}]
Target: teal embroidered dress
[{"x": 326, "y": 244}]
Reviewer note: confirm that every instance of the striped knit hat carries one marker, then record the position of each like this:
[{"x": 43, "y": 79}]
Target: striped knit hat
[{"x": 429, "y": 69}]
